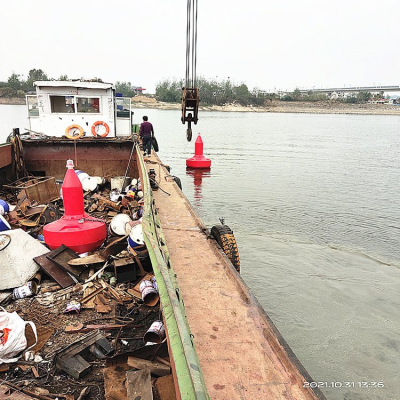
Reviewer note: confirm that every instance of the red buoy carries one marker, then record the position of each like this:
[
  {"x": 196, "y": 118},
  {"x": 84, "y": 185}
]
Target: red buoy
[
  {"x": 75, "y": 229},
  {"x": 198, "y": 160}
]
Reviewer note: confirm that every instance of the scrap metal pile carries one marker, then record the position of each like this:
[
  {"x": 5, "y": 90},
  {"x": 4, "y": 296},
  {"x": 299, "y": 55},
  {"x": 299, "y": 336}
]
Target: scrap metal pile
[{"x": 78, "y": 325}]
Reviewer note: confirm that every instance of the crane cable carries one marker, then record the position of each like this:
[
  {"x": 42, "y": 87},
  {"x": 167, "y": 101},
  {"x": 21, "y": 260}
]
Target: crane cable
[{"x": 191, "y": 43}]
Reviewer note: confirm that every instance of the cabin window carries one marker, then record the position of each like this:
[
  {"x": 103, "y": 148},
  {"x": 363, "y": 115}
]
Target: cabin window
[
  {"x": 62, "y": 104},
  {"x": 88, "y": 104},
  {"x": 33, "y": 109},
  {"x": 123, "y": 107}
]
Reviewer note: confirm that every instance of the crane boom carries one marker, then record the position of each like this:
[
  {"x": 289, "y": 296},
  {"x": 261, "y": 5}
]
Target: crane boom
[{"x": 190, "y": 92}]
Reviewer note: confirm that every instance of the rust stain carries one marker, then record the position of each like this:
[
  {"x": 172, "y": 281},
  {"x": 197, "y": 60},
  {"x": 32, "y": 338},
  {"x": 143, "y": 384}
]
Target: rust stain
[{"x": 218, "y": 386}]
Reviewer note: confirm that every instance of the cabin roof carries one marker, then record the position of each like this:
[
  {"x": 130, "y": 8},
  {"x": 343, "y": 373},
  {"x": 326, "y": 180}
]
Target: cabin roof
[{"x": 77, "y": 84}]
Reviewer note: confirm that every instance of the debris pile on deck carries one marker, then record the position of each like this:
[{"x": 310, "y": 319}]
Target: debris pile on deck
[{"x": 79, "y": 326}]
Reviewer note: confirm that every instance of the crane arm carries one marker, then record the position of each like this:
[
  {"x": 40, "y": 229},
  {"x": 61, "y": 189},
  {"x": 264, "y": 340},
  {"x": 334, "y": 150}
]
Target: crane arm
[{"x": 190, "y": 92}]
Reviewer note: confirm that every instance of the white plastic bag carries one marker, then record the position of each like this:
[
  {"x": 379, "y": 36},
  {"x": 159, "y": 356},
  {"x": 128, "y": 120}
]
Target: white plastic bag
[{"x": 13, "y": 340}]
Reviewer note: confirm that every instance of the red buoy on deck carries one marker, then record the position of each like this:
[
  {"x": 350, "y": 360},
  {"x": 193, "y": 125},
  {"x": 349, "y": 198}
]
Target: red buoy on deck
[
  {"x": 76, "y": 229},
  {"x": 198, "y": 160}
]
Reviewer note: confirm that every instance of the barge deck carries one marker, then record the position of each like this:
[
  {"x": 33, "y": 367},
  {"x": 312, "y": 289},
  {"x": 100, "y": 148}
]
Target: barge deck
[
  {"x": 235, "y": 351},
  {"x": 242, "y": 354}
]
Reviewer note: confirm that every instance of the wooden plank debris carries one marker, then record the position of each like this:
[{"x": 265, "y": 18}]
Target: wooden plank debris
[
  {"x": 92, "y": 259},
  {"x": 69, "y": 358},
  {"x": 165, "y": 387},
  {"x": 162, "y": 361},
  {"x": 13, "y": 396},
  {"x": 84, "y": 392},
  {"x": 91, "y": 295},
  {"x": 50, "y": 289},
  {"x": 43, "y": 335},
  {"x": 108, "y": 203},
  {"x": 101, "y": 307},
  {"x": 90, "y": 301},
  {"x": 114, "y": 248},
  {"x": 138, "y": 384},
  {"x": 80, "y": 328},
  {"x": 156, "y": 368},
  {"x": 114, "y": 381},
  {"x": 138, "y": 262},
  {"x": 61, "y": 256},
  {"x": 35, "y": 372},
  {"x": 22, "y": 391},
  {"x": 56, "y": 272}
]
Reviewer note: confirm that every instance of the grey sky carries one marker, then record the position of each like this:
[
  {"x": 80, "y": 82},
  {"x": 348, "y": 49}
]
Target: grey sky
[{"x": 266, "y": 44}]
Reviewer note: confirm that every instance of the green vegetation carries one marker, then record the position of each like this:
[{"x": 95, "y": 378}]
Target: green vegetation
[
  {"x": 18, "y": 86},
  {"x": 125, "y": 88},
  {"x": 213, "y": 92}
]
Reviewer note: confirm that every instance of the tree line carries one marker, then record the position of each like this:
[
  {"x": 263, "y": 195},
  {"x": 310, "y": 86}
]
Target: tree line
[
  {"x": 212, "y": 92},
  {"x": 224, "y": 92},
  {"x": 18, "y": 86},
  {"x": 360, "y": 97}
]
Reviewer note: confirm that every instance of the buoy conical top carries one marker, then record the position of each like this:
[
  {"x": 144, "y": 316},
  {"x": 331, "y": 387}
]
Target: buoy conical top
[
  {"x": 72, "y": 193},
  {"x": 198, "y": 160},
  {"x": 75, "y": 229}
]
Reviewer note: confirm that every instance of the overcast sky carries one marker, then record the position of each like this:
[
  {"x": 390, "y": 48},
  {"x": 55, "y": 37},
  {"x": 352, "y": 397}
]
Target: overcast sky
[{"x": 265, "y": 44}]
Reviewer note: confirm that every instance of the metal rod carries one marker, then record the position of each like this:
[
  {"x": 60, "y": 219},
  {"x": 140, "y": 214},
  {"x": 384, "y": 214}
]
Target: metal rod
[{"x": 127, "y": 168}]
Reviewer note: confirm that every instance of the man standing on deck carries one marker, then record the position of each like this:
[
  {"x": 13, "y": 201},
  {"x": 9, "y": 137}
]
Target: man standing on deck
[{"x": 146, "y": 132}]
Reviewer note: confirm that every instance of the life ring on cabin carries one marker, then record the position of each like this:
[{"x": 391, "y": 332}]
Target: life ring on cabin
[
  {"x": 97, "y": 123},
  {"x": 71, "y": 132}
]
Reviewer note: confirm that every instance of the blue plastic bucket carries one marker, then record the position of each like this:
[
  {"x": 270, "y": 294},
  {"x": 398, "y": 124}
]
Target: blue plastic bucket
[
  {"x": 135, "y": 237},
  {"x": 4, "y": 207},
  {"x": 4, "y": 225}
]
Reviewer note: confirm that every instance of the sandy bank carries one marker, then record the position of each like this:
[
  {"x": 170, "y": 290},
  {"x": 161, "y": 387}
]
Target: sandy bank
[
  {"x": 327, "y": 107},
  {"x": 13, "y": 101},
  {"x": 282, "y": 107}
]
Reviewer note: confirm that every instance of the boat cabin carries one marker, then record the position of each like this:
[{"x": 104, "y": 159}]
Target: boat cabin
[{"x": 77, "y": 109}]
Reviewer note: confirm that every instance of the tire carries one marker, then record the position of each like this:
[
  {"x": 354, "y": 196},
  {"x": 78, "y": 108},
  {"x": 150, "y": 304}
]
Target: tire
[
  {"x": 226, "y": 239},
  {"x": 155, "y": 144},
  {"x": 178, "y": 182},
  {"x": 218, "y": 230}
]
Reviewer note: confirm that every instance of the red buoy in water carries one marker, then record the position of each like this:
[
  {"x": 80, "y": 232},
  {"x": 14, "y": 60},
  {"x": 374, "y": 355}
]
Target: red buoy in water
[
  {"x": 74, "y": 230},
  {"x": 198, "y": 160}
]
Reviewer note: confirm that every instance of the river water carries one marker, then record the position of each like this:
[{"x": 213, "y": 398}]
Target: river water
[{"x": 314, "y": 203}]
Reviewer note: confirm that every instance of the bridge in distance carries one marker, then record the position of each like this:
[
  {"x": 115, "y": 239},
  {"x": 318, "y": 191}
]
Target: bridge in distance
[{"x": 354, "y": 89}]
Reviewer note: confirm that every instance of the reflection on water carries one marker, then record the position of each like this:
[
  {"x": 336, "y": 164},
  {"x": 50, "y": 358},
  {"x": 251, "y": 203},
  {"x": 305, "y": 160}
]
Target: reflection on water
[{"x": 198, "y": 175}]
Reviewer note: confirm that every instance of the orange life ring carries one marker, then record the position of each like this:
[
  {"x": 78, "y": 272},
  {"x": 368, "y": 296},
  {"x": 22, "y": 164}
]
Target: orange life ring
[
  {"x": 94, "y": 133},
  {"x": 73, "y": 128}
]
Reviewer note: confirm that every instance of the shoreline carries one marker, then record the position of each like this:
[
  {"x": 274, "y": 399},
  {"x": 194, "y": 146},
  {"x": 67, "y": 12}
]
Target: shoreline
[
  {"x": 282, "y": 107},
  {"x": 13, "y": 101},
  {"x": 326, "y": 107}
]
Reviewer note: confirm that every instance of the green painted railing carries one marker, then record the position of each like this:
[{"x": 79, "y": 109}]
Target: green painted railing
[{"x": 189, "y": 376}]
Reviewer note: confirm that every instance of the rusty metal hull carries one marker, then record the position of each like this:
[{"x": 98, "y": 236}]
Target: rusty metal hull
[
  {"x": 5, "y": 155},
  {"x": 97, "y": 157}
]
